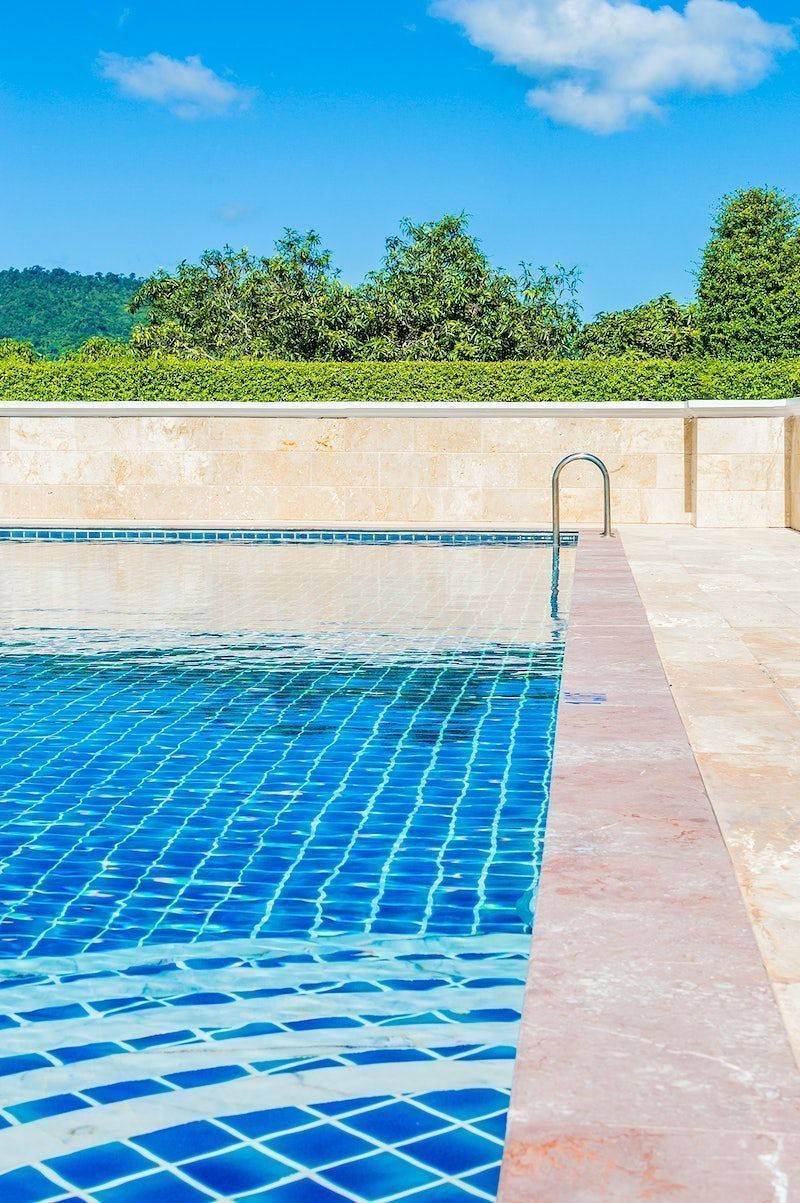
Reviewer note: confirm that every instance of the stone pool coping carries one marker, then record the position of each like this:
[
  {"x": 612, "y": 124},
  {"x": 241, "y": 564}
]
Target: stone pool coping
[
  {"x": 773, "y": 407},
  {"x": 653, "y": 1063}
]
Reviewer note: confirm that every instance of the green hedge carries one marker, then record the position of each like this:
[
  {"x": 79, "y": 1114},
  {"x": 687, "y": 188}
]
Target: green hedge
[{"x": 170, "y": 380}]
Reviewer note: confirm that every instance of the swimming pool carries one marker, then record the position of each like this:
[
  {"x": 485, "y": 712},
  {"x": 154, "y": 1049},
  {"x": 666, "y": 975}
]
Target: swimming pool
[{"x": 271, "y": 825}]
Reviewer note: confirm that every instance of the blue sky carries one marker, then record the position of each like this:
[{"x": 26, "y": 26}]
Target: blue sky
[{"x": 604, "y": 145}]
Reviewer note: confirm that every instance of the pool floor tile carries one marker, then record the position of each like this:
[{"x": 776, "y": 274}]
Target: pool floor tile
[{"x": 267, "y": 868}]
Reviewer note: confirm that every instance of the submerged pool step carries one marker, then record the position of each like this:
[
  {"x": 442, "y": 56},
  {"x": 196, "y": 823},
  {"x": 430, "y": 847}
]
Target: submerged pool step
[{"x": 407, "y": 1036}]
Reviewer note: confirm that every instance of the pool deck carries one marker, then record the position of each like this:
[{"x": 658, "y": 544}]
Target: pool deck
[{"x": 653, "y": 1061}]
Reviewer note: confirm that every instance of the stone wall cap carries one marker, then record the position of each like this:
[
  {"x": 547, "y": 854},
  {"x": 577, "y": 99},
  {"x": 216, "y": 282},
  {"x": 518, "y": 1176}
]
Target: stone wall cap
[{"x": 417, "y": 409}]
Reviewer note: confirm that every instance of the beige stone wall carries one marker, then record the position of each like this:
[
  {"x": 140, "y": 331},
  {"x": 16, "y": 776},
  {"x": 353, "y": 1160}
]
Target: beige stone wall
[
  {"x": 360, "y": 469},
  {"x": 740, "y": 475},
  {"x": 456, "y": 466},
  {"x": 794, "y": 473}
]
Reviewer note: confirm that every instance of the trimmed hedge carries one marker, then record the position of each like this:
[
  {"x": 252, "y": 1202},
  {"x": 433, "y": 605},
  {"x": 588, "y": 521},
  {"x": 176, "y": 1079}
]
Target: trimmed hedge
[{"x": 120, "y": 379}]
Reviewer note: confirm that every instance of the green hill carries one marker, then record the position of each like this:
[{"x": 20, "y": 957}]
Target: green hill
[{"x": 58, "y": 310}]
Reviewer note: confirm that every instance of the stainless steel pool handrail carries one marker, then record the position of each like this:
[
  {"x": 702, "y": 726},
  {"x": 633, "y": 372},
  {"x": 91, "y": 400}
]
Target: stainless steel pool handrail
[{"x": 570, "y": 459}]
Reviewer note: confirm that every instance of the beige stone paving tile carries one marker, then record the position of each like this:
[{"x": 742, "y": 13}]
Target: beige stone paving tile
[
  {"x": 5, "y": 434},
  {"x": 764, "y": 842},
  {"x": 742, "y": 714},
  {"x": 760, "y": 724},
  {"x": 791, "y": 599},
  {"x": 785, "y": 674},
  {"x": 788, "y": 996},
  {"x": 740, "y": 780},
  {"x": 684, "y": 643},
  {"x": 744, "y": 675},
  {"x": 748, "y": 610}
]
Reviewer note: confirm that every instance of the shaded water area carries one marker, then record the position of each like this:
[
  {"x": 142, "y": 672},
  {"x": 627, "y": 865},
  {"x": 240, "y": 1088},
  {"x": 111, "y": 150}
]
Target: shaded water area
[{"x": 270, "y": 831}]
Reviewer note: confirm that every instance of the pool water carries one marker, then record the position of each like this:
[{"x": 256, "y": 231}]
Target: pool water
[{"x": 271, "y": 824}]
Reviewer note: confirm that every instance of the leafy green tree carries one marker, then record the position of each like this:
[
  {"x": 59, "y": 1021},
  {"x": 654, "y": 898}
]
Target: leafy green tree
[
  {"x": 99, "y": 347},
  {"x": 436, "y": 296},
  {"x": 749, "y": 280},
  {"x": 58, "y": 310},
  {"x": 660, "y": 329},
  {"x": 289, "y": 306},
  {"x": 13, "y": 348}
]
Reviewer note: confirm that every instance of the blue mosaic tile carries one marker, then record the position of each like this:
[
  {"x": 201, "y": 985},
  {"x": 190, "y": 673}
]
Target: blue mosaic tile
[
  {"x": 454, "y": 1152},
  {"x": 185, "y": 1141},
  {"x": 346, "y": 818},
  {"x": 57, "y": 1104},
  {"x": 154, "y": 1188},
  {"x": 313, "y": 1148},
  {"x": 448, "y": 1192},
  {"x": 243, "y": 1169},
  {"x": 27, "y": 1186},
  {"x": 444, "y": 538},
  {"x": 485, "y": 1180},
  {"x": 466, "y": 1104},
  {"x": 115, "y": 1092},
  {"x": 150, "y": 861},
  {"x": 300, "y": 1191},
  {"x": 264, "y": 1123},
  {"x": 396, "y": 1122},
  {"x": 379, "y": 1176},
  {"x": 99, "y": 1165}
]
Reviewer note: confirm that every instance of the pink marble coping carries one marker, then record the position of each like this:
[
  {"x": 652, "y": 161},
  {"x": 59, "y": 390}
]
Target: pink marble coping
[{"x": 653, "y": 1064}]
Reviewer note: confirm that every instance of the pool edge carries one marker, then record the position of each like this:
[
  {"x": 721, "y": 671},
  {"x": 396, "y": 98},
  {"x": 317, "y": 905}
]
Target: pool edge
[{"x": 652, "y": 1060}]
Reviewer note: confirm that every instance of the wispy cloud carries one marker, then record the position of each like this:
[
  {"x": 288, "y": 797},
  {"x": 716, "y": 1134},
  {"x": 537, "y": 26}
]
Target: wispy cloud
[
  {"x": 603, "y": 64},
  {"x": 234, "y": 211},
  {"x": 186, "y": 87}
]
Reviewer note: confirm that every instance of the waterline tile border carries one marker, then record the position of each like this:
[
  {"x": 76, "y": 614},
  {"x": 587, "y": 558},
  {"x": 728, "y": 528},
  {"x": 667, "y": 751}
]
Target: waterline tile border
[
  {"x": 379, "y": 538},
  {"x": 652, "y": 1061}
]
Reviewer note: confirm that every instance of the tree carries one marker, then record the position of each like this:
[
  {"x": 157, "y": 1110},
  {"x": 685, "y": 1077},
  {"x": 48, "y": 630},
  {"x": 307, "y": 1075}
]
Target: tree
[
  {"x": 436, "y": 296},
  {"x": 289, "y": 306},
  {"x": 749, "y": 280},
  {"x": 660, "y": 329},
  {"x": 13, "y": 348},
  {"x": 58, "y": 310}
]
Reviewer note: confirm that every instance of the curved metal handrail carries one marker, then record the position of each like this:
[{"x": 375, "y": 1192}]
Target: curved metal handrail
[{"x": 569, "y": 459}]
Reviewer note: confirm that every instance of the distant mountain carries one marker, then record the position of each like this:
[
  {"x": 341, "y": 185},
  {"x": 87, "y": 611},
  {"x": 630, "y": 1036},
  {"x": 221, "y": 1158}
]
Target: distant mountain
[{"x": 58, "y": 310}]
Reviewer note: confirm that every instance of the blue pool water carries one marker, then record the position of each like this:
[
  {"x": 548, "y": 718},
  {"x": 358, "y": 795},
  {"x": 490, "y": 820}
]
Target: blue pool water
[{"x": 270, "y": 832}]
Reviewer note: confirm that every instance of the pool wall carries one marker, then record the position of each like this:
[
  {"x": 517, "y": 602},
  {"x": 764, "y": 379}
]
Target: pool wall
[{"x": 731, "y": 464}]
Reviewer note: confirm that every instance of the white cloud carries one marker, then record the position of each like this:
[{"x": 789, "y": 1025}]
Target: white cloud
[
  {"x": 234, "y": 211},
  {"x": 186, "y": 87},
  {"x": 603, "y": 64}
]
